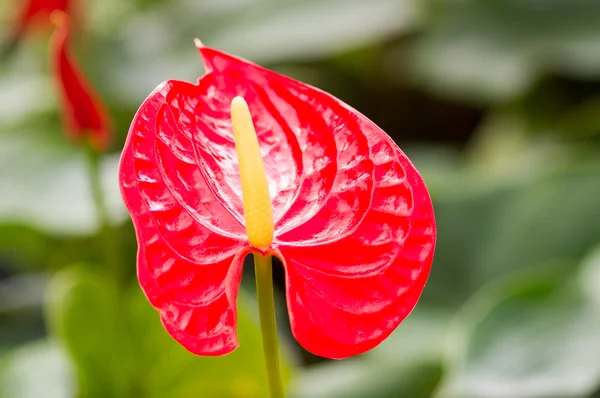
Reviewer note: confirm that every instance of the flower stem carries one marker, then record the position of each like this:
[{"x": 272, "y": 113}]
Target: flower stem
[
  {"x": 263, "y": 269},
  {"x": 108, "y": 234}
]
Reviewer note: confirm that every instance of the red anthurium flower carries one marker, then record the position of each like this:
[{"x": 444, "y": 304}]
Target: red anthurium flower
[
  {"x": 33, "y": 14},
  {"x": 84, "y": 114},
  {"x": 39, "y": 11},
  {"x": 353, "y": 221}
]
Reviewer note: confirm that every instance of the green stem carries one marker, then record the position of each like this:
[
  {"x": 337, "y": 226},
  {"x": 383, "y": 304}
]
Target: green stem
[
  {"x": 109, "y": 234},
  {"x": 263, "y": 269}
]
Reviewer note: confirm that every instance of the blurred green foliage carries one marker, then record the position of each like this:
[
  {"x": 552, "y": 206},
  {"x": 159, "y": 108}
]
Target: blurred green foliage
[
  {"x": 496, "y": 101},
  {"x": 119, "y": 350}
]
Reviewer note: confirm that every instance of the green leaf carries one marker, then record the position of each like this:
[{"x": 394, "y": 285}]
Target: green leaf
[
  {"x": 495, "y": 50},
  {"x": 470, "y": 68},
  {"x": 419, "y": 338},
  {"x": 465, "y": 218},
  {"x": 529, "y": 336},
  {"x": 23, "y": 94},
  {"x": 26, "y": 249},
  {"x": 83, "y": 312},
  {"x": 554, "y": 217},
  {"x": 488, "y": 228},
  {"x": 47, "y": 187},
  {"x": 359, "y": 378},
  {"x": 20, "y": 309},
  {"x": 407, "y": 364},
  {"x": 119, "y": 346},
  {"x": 166, "y": 369},
  {"x": 273, "y": 31},
  {"x": 589, "y": 275},
  {"x": 37, "y": 369},
  {"x": 503, "y": 150}
]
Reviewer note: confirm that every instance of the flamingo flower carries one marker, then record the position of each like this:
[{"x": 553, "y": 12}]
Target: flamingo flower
[
  {"x": 35, "y": 11},
  {"x": 250, "y": 161},
  {"x": 33, "y": 14},
  {"x": 84, "y": 115}
]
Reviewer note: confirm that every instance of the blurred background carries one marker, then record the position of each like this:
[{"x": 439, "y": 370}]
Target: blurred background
[{"x": 497, "y": 102}]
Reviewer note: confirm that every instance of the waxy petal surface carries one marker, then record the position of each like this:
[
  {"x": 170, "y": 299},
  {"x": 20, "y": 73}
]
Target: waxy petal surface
[
  {"x": 354, "y": 224},
  {"x": 347, "y": 296},
  {"x": 85, "y": 116},
  {"x": 189, "y": 272}
]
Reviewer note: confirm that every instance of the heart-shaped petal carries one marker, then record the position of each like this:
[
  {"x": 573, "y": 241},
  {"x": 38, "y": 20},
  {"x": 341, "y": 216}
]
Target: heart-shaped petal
[{"x": 354, "y": 224}]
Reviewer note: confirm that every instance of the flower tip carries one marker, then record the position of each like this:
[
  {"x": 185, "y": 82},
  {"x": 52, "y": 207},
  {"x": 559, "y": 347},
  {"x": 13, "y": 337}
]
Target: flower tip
[
  {"x": 59, "y": 18},
  {"x": 198, "y": 43},
  {"x": 239, "y": 103}
]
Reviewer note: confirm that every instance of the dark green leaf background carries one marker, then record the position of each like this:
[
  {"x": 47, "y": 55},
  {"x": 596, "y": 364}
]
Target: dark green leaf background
[{"x": 497, "y": 102}]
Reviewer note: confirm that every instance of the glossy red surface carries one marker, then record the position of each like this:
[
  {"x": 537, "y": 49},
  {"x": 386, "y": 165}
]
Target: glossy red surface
[
  {"x": 84, "y": 114},
  {"x": 354, "y": 224}
]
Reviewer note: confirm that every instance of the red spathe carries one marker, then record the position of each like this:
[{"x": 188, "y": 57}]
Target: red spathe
[
  {"x": 354, "y": 224},
  {"x": 36, "y": 13},
  {"x": 84, "y": 115}
]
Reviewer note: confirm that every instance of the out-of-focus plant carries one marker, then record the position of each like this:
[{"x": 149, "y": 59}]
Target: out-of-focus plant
[
  {"x": 33, "y": 15},
  {"x": 85, "y": 118}
]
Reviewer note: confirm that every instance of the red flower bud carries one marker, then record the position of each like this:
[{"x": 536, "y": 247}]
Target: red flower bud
[
  {"x": 34, "y": 14},
  {"x": 39, "y": 11},
  {"x": 84, "y": 115}
]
